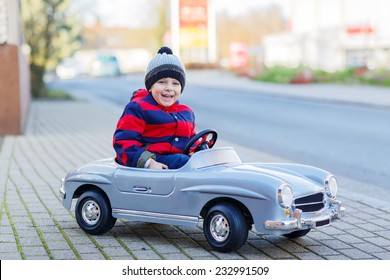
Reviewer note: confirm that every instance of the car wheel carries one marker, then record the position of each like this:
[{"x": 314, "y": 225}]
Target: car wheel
[
  {"x": 296, "y": 234},
  {"x": 225, "y": 227},
  {"x": 93, "y": 213}
]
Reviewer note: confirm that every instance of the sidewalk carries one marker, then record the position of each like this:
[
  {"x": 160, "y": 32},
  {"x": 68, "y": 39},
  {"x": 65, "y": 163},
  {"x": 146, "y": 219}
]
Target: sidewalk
[{"x": 63, "y": 134}]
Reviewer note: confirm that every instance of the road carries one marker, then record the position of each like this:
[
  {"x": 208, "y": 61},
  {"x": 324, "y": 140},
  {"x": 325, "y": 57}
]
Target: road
[{"x": 350, "y": 140}]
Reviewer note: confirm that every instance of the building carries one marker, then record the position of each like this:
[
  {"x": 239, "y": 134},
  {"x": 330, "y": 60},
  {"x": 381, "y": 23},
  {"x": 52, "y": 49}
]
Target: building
[
  {"x": 333, "y": 35},
  {"x": 15, "y": 93}
]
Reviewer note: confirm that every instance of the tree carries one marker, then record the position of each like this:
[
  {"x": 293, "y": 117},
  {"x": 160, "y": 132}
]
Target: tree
[{"x": 51, "y": 33}]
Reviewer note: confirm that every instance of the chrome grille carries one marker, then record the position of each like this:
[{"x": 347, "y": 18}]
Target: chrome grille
[{"x": 310, "y": 203}]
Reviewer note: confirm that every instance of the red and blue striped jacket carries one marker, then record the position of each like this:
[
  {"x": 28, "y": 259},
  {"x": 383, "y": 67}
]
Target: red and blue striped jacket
[{"x": 146, "y": 125}]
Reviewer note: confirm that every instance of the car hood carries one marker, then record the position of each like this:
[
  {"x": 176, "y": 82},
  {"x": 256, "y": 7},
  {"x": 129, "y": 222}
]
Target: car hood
[{"x": 300, "y": 184}]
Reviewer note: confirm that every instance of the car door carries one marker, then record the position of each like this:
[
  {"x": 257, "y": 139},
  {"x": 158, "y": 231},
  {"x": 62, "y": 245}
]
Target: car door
[{"x": 145, "y": 181}]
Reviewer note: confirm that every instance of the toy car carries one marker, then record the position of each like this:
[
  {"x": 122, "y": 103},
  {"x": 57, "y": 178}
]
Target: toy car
[{"x": 213, "y": 186}]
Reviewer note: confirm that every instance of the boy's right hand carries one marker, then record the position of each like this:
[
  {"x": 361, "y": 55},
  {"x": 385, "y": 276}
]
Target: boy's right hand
[{"x": 157, "y": 165}]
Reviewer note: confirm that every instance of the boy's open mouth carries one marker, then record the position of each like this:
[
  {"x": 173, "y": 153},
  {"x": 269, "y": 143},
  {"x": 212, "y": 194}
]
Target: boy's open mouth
[{"x": 167, "y": 96}]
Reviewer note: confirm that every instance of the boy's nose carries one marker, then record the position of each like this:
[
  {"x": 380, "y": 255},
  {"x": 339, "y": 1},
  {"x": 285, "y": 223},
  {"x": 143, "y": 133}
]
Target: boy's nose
[{"x": 168, "y": 86}]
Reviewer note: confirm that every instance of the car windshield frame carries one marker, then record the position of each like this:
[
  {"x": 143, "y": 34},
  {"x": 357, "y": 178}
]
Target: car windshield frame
[{"x": 213, "y": 157}]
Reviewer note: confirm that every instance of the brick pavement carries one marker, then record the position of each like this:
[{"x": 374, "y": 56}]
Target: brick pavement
[{"x": 63, "y": 134}]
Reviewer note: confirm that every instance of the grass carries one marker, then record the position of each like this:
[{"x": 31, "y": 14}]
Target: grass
[
  {"x": 55, "y": 94},
  {"x": 279, "y": 74},
  {"x": 58, "y": 95}
]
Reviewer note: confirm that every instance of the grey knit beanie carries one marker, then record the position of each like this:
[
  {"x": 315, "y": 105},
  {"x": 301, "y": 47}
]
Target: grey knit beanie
[{"x": 165, "y": 65}]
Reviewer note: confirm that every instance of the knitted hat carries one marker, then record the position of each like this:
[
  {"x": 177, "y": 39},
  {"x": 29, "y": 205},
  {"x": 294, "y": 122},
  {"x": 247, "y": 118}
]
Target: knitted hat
[{"x": 165, "y": 65}]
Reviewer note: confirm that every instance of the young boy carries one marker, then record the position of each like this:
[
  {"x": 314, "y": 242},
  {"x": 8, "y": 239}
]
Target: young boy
[{"x": 154, "y": 128}]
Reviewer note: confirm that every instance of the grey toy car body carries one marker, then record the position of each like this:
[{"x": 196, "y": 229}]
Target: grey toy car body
[{"x": 214, "y": 186}]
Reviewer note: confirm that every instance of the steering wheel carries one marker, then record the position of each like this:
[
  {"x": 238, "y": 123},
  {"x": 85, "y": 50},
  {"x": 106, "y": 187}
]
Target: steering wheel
[{"x": 201, "y": 141}]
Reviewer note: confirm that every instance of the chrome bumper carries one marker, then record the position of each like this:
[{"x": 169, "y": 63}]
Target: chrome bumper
[
  {"x": 297, "y": 222},
  {"x": 62, "y": 190}
]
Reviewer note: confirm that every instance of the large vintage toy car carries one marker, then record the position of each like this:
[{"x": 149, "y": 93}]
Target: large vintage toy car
[{"x": 214, "y": 186}]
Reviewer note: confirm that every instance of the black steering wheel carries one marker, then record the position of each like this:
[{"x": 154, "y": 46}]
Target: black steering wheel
[{"x": 201, "y": 141}]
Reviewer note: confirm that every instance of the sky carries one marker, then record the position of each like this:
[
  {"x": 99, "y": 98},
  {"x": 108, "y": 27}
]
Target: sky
[{"x": 133, "y": 13}]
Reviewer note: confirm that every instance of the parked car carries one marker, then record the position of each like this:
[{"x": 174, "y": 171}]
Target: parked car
[
  {"x": 214, "y": 186},
  {"x": 105, "y": 66},
  {"x": 69, "y": 68}
]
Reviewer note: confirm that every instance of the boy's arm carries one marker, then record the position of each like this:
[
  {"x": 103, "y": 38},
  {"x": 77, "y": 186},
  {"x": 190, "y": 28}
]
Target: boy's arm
[{"x": 128, "y": 135}]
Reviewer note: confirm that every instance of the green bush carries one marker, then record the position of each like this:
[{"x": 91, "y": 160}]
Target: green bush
[
  {"x": 285, "y": 75},
  {"x": 56, "y": 94},
  {"x": 281, "y": 75}
]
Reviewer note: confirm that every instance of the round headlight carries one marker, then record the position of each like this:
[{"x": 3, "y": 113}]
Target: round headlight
[
  {"x": 331, "y": 186},
  {"x": 285, "y": 196}
]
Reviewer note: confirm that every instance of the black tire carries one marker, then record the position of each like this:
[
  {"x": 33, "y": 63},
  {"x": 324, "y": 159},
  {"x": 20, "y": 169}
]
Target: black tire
[
  {"x": 297, "y": 234},
  {"x": 225, "y": 227},
  {"x": 93, "y": 213}
]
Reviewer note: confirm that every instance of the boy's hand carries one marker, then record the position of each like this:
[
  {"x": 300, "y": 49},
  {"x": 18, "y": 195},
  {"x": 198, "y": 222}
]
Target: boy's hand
[{"x": 157, "y": 165}]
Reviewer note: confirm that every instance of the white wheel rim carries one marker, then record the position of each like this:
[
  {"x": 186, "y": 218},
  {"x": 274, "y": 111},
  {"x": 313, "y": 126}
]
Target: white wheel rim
[
  {"x": 90, "y": 212},
  {"x": 219, "y": 228}
]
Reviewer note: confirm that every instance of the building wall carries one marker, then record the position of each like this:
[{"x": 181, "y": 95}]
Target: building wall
[{"x": 15, "y": 93}]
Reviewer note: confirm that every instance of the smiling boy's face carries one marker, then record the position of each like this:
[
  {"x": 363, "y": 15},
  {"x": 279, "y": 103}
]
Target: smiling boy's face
[{"x": 166, "y": 91}]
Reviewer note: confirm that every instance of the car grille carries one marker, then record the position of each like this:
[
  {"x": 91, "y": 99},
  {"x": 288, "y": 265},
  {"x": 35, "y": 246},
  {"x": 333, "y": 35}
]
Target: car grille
[{"x": 310, "y": 203}]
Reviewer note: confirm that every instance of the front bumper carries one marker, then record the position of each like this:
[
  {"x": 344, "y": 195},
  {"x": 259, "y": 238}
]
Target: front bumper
[
  {"x": 62, "y": 189},
  {"x": 297, "y": 222}
]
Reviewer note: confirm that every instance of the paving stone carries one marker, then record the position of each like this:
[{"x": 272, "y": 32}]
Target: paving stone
[
  {"x": 383, "y": 233},
  {"x": 380, "y": 241},
  {"x": 356, "y": 254},
  {"x": 12, "y": 255},
  {"x": 166, "y": 249},
  {"x": 277, "y": 253},
  {"x": 369, "y": 248},
  {"x": 361, "y": 233},
  {"x": 196, "y": 252},
  {"x": 349, "y": 239},
  {"x": 146, "y": 255},
  {"x": 30, "y": 241},
  {"x": 308, "y": 256},
  {"x": 371, "y": 227},
  {"x": 383, "y": 255},
  {"x": 115, "y": 251},
  {"x": 337, "y": 257},
  {"x": 63, "y": 255},
  {"x": 322, "y": 250},
  {"x": 174, "y": 256},
  {"x": 89, "y": 256},
  {"x": 7, "y": 238},
  {"x": 8, "y": 247},
  {"x": 227, "y": 256},
  {"x": 34, "y": 251},
  {"x": 336, "y": 244}
]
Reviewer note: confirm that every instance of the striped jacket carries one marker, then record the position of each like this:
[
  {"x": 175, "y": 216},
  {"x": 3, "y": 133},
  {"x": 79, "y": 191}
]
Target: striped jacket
[{"x": 146, "y": 128}]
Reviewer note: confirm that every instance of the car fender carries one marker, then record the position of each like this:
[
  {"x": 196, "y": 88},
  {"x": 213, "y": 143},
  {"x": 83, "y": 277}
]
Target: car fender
[
  {"x": 88, "y": 178},
  {"x": 73, "y": 182}
]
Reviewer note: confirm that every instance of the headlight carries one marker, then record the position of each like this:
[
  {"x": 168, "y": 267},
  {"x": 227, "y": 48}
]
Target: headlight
[
  {"x": 331, "y": 186},
  {"x": 285, "y": 196}
]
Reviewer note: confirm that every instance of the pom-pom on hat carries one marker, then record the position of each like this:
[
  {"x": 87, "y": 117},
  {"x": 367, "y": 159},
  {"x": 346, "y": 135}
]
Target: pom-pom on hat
[{"x": 165, "y": 65}]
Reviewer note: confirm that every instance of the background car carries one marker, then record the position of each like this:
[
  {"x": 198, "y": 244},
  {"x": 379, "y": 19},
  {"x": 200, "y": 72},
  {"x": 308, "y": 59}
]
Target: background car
[{"x": 105, "y": 66}]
